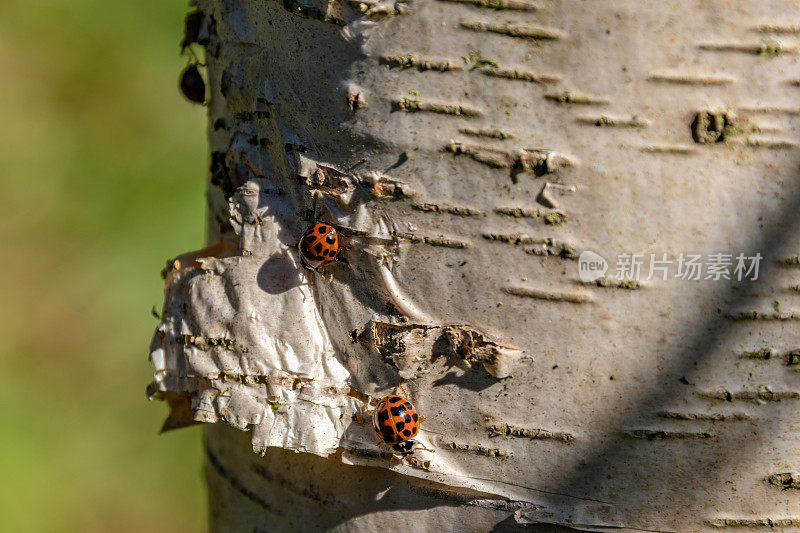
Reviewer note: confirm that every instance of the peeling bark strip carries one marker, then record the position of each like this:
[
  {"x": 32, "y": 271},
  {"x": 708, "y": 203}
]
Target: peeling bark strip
[
  {"x": 759, "y": 315},
  {"x": 577, "y": 98},
  {"x": 613, "y": 122},
  {"x": 458, "y": 210},
  {"x": 703, "y": 416},
  {"x": 517, "y": 5},
  {"x": 763, "y": 354},
  {"x": 765, "y": 48},
  {"x": 496, "y": 430},
  {"x": 339, "y": 183},
  {"x": 771, "y": 110},
  {"x": 492, "y": 134},
  {"x": 774, "y": 144},
  {"x": 660, "y": 434},
  {"x": 752, "y": 523},
  {"x": 552, "y": 218},
  {"x": 551, "y": 295},
  {"x": 421, "y": 63},
  {"x": 611, "y": 283},
  {"x": 206, "y": 343},
  {"x": 413, "y": 104},
  {"x": 669, "y": 149},
  {"x": 478, "y": 450},
  {"x": 785, "y": 480},
  {"x": 685, "y": 78},
  {"x": 513, "y": 238},
  {"x": 539, "y": 162},
  {"x": 470, "y": 498},
  {"x": 412, "y": 347},
  {"x": 764, "y": 394},
  {"x": 522, "y": 31},
  {"x": 444, "y": 242},
  {"x": 523, "y": 75},
  {"x": 546, "y": 246}
]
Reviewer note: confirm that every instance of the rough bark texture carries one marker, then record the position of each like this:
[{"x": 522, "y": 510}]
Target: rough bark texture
[{"x": 468, "y": 152}]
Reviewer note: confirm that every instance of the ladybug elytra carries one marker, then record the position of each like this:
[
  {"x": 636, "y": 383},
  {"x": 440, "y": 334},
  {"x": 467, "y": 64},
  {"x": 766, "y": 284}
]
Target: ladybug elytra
[
  {"x": 192, "y": 85},
  {"x": 319, "y": 246},
  {"x": 396, "y": 421}
]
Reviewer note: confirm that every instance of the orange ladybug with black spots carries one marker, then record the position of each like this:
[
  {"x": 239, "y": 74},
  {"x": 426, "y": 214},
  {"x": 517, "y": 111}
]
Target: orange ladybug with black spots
[
  {"x": 319, "y": 246},
  {"x": 397, "y": 423}
]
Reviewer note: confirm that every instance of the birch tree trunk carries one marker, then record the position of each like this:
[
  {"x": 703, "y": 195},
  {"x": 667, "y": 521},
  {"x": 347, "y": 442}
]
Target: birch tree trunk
[{"x": 470, "y": 152}]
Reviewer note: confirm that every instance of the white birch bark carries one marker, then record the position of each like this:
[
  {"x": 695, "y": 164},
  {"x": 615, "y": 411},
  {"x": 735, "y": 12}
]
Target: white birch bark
[{"x": 469, "y": 152}]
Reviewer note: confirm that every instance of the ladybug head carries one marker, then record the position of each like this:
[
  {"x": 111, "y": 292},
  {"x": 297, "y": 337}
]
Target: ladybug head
[{"x": 404, "y": 448}]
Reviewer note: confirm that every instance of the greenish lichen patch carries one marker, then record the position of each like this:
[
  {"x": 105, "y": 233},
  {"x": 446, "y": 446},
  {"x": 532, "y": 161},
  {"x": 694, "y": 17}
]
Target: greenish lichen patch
[
  {"x": 784, "y": 480},
  {"x": 552, "y": 218},
  {"x": 518, "y": 212},
  {"x": 716, "y": 126},
  {"x": 555, "y": 218},
  {"x": 611, "y": 283},
  {"x": 762, "y": 354},
  {"x": 475, "y": 60}
]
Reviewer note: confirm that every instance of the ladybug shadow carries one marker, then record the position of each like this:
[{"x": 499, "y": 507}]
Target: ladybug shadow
[
  {"x": 474, "y": 381},
  {"x": 278, "y": 274}
]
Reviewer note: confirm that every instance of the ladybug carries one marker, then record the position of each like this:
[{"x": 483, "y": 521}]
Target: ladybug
[
  {"x": 192, "y": 85},
  {"x": 319, "y": 246},
  {"x": 396, "y": 421}
]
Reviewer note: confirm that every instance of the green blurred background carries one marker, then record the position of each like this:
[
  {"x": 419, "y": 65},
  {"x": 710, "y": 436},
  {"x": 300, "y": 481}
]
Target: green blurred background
[{"x": 103, "y": 167}]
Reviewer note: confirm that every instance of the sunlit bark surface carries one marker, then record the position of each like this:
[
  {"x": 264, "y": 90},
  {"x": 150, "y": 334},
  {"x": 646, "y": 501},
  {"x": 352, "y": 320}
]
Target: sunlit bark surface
[{"x": 470, "y": 153}]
